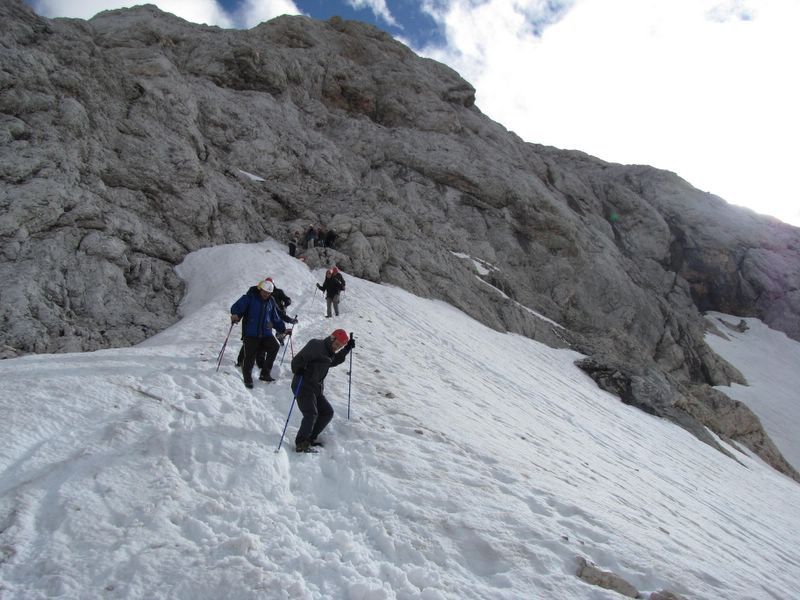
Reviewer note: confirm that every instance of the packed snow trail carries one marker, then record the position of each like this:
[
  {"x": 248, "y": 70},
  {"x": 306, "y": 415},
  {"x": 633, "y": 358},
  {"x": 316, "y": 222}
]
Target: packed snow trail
[{"x": 475, "y": 465}]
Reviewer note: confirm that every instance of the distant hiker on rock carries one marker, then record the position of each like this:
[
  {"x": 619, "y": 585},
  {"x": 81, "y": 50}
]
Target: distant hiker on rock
[
  {"x": 281, "y": 302},
  {"x": 312, "y": 364},
  {"x": 311, "y": 237},
  {"x": 330, "y": 238},
  {"x": 259, "y": 315},
  {"x": 332, "y": 286},
  {"x": 293, "y": 241}
]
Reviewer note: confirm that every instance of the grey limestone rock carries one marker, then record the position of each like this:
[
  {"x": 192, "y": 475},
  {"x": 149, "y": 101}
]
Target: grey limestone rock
[
  {"x": 126, "y": 142},
  {"x": 665, "y": 595},
  {"x": 605, "y": 579}
]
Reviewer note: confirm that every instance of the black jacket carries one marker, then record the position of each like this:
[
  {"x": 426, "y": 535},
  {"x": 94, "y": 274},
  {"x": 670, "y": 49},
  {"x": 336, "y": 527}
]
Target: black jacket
[
  {"x": 313, "y": 362},
  {"x": 332, "y": 285},
  {"x": 282, "y": 301}
]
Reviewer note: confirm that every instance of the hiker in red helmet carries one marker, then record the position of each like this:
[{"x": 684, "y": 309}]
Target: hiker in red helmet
[
  {"x": 332, "y": 286},
  {"x": 312, "y": 364}
]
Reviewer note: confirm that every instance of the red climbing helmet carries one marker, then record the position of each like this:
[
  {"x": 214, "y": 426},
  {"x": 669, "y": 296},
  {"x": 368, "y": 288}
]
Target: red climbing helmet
[{"x": 340, "y": 335}]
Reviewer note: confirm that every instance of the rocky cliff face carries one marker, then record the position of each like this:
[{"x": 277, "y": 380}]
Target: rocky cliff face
[{"x": 126, "y": 141}]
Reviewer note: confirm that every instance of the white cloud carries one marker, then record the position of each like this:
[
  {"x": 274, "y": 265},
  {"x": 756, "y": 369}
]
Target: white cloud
[
  {"x": 69, "y": 8},
  {"x": 249, "y": 14},
  {"x": 733, "y": 9},
  {"x": 196, "y": 11},
  {"x": 253, "y": 12},
  {"x": 378, "y": 8},
  {"x": 701, "y": 87}
]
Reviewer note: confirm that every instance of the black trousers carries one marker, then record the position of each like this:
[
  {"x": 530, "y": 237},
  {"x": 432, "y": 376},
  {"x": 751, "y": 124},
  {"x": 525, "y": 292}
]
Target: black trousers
[
  {"x": 317, "y": 413},
  {"x": 261, "y": 351}
]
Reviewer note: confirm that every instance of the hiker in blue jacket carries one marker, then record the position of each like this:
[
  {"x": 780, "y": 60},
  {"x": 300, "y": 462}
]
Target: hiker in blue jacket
[
  {"x": 259, "y": 315},
  {"x": 281, "y": 302}
]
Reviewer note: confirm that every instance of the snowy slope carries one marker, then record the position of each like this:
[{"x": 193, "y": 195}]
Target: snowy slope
[
  {"x": 770, "y": 361},
  {"x": 475, "y": 465}
]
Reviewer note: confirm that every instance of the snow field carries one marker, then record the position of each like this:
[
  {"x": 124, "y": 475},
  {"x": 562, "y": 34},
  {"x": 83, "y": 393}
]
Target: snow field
[{"x": 475, "y": 465}]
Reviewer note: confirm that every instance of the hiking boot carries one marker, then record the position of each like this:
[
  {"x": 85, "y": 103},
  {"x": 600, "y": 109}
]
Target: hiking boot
[
  {"x": 304, "y": 447},
  {"x": 248, "y": 383},
  {"x": 265, "y": 377},
  {"x": 316, "y": 444}
]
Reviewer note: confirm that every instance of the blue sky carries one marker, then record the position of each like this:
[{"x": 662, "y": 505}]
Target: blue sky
[
  {"x": 705, "y": 88},
  {"x": 407, "y": 21}
]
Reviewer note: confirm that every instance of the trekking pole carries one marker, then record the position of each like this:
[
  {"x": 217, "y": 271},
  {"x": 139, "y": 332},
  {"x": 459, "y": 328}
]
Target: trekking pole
[
  {"x": 290, "y": 341},
  {"x": 294, "y": 398},
  {"x": 350, "y": 383},
  {"x": 321, "y": 295},
  {"x": 225, "y": 343}
]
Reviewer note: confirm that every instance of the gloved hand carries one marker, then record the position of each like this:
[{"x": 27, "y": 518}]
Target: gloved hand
[
  {"x": 295, "y": 321},
  {"x": 288, "y": 331},
  {"x": 351, "y": 343},
  {"x": 235, "y": 318},
  {"x": 319, "y": 287}
]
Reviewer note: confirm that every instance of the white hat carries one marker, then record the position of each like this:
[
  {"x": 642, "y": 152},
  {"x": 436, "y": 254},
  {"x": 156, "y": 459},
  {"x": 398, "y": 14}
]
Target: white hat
[{"x": 266, "y": 286}]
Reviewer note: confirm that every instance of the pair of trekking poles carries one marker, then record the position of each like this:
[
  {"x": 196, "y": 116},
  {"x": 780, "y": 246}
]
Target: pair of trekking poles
[
  {"x": 225, "y": 344},
  {"x": 297, "y": 393}
]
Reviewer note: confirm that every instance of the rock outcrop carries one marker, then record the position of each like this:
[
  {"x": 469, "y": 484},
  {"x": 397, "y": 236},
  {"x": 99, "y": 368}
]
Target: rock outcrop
[
  {"x": 605, "y": 579},
  {"x": 126, "y": 143},
  {"x": 593, "y": 575}
]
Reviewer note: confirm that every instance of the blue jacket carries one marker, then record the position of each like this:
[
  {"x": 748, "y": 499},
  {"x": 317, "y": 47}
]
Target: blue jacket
[{"x": 259, "y": 316}]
